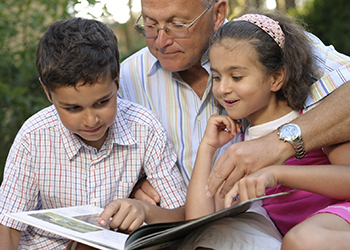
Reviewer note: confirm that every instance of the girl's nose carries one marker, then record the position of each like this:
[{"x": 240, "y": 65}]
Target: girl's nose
[{"x": 224, "y": 87}]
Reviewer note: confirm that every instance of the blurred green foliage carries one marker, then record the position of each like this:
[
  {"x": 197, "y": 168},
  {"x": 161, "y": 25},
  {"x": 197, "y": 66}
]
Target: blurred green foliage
[
  {"x": 21, "y": 25},
  {"x": 329, "y": 20}
]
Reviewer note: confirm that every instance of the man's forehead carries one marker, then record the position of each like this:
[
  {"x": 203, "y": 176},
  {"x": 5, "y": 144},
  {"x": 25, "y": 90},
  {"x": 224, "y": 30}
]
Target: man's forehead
[
  {"x": 171, "y": 3},
  {"x": 165, "y": 9}
]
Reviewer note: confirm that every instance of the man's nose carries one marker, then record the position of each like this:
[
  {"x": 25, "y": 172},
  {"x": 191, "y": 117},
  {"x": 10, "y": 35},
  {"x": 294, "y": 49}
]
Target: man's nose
[{"x": 163, "y": 39}]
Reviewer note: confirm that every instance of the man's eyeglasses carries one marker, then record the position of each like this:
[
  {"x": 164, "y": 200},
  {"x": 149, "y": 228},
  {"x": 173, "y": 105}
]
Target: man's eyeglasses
[{"x": 171, "y": 29}]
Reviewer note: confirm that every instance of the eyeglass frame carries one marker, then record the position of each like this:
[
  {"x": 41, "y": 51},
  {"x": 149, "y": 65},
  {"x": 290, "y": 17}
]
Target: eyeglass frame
[{"x": 163, "y": 28}]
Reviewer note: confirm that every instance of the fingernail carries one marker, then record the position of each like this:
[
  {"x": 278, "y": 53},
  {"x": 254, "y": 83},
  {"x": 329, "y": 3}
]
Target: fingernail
[
  {"x": 102, "y": 222},
  {"x": 206, "y": 187},
  {"x": 208, "y": 194}
]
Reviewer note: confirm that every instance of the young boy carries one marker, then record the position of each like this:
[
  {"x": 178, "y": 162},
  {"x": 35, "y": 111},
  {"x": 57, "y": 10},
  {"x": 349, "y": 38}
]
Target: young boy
[{"x": 88, "y": 147}]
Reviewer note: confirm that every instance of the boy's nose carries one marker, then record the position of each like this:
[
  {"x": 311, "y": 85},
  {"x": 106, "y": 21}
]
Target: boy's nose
[{"x": 90, "y": 118}]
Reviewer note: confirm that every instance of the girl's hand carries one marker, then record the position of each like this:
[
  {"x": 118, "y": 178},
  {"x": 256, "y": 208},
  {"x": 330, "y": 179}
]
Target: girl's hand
[
  {"x": 251, "y": 186},
  {"x": 220, "y": 130},
  {"x": 127, "y": 214}
]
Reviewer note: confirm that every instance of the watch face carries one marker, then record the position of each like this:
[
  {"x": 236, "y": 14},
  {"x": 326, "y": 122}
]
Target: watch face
[{"x": 290, "y": 132}]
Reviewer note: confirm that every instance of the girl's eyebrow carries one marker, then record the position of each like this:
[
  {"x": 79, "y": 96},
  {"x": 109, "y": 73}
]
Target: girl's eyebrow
[{"x": 229, "y": 68}]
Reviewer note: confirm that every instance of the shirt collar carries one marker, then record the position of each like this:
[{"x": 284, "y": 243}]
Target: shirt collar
[{"x": 122, "y": 134}]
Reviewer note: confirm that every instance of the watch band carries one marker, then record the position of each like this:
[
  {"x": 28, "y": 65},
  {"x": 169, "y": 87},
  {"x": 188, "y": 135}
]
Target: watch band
[
  {"x": 299, "y": 150},
  {"x": 294, "y": 137}
]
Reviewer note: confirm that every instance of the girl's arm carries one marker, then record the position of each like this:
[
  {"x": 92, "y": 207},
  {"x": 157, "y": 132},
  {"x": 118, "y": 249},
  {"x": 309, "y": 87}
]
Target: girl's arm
[
  {"x": 220, "y": 130},
  {"x": 328, "y": 180},
  {"x": 197, "y": 203}
]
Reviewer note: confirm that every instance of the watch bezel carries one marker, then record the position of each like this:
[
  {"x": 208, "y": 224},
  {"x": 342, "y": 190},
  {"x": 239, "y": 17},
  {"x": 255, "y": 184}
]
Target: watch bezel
[{"x": 295, "y": 138}]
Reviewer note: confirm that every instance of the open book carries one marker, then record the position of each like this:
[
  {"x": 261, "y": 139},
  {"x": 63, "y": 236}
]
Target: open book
[{"x": 80, "y": 224}]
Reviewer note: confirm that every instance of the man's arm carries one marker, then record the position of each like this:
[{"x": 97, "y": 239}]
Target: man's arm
[
  {"x": 9, "y": 238},
  {"x": 144, "y": 191},
  {"x": 324, "y": 125}
]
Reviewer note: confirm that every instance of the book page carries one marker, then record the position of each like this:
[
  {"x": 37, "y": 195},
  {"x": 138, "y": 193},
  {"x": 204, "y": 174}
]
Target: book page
[{"x": 76, "y": 223}]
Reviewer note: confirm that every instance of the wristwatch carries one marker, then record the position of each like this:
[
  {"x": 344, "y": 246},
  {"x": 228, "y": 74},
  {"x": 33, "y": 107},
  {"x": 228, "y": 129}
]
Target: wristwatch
[{"x": 291, "y": 133}]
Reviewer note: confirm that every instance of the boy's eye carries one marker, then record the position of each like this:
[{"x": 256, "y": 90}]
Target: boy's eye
[
  {"x": 72, "y": 109},
  {"x": 101, "y": 103}
]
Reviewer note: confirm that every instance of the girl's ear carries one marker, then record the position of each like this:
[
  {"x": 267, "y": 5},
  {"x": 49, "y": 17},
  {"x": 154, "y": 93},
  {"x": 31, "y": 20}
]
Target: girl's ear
[
  {"x": 278, "y": 79},
  {"x": 47, "y": 92}
]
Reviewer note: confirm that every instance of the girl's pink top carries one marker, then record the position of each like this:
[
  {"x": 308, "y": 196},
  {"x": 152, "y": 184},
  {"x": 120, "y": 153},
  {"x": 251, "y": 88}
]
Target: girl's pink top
[{"x": 289, "y": 210}]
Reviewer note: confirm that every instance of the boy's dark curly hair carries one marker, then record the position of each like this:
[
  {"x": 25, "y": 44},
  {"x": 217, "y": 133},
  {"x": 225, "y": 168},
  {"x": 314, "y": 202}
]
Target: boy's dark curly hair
[{"x": 75, "y": 50}]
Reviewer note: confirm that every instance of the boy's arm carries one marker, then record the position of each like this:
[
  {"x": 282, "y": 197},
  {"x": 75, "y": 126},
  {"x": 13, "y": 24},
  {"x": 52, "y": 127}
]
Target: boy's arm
[
  {"x": 9, "y": 238},
  {"x": 129, "y": 214},
  {"x": 157, "y": 214}
]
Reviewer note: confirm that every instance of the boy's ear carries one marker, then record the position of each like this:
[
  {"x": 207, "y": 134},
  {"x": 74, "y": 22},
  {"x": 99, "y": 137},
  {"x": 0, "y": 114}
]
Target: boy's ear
[
  {"x": 47, "y": 92},
  {"x": 220, "y": 10},
  {"x": 278, "y": 79}
]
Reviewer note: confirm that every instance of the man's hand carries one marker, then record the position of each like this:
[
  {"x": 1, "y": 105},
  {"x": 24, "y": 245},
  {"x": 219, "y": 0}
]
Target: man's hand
[
  {"x": 144, "y": 191},
  {"x": 244, "y": 158}
]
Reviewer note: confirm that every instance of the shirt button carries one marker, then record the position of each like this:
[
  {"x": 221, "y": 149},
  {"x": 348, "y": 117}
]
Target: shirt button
[{"x": 199, "y": 117}]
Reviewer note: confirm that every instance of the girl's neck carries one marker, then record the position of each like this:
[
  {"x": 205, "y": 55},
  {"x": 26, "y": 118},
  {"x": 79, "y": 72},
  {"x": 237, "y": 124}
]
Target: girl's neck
[{"x": 272, "y": 112}]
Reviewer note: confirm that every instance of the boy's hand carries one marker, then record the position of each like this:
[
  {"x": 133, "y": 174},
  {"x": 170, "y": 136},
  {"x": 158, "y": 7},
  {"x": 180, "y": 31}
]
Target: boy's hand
[
  {"x": 127, "y": 214},
  {"x": 9, "y": 238},
  {"x": 144, "y": 191},
  {"x": 78, "y": 246},
  {"x": 251, "y": 186},
  {"x": 220, "y": 130}
]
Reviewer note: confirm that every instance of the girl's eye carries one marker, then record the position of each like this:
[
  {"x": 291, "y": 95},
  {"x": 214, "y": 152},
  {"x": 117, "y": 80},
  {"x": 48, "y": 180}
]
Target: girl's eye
[
  {"x": 216, "y": 78},
  {"x": 236, "y": 78}
]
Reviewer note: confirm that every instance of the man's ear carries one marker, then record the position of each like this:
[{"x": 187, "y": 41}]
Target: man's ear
[
  {"x": 220, "y": 11},
  {"x": 278, "y": 79},
  {"x": 47, "y": 92}
]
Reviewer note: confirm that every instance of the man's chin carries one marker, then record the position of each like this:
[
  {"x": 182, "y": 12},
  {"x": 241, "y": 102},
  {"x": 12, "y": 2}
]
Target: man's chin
[{"x": 172, "y": 65}]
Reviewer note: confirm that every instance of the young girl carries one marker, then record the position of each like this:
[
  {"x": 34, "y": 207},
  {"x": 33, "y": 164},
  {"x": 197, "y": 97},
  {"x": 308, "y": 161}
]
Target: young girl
[{"x": 258, "y": 74}]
